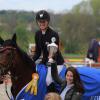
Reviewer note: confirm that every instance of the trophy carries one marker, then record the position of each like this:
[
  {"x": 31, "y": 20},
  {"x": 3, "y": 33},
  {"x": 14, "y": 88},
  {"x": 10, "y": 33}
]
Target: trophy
[
  {"x": 52, "y": 48},
  {"x": 52, "y": 65}
]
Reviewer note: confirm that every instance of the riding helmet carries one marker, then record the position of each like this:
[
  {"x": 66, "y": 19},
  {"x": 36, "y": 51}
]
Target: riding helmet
[{"x": 42, "y": 15}]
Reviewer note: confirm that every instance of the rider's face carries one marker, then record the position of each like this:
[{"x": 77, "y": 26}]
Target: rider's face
[{"x": 43, "y": 24}]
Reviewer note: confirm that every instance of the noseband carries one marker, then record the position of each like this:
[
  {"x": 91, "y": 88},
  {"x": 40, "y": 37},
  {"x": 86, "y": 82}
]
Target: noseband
[{"x": 6, "y": 67}]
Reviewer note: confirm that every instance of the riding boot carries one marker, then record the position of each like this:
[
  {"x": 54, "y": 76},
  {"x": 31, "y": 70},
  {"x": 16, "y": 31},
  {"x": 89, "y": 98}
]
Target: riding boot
[
  {"x": 54, "y": 73},
  {"x": 52, "y": 88}
]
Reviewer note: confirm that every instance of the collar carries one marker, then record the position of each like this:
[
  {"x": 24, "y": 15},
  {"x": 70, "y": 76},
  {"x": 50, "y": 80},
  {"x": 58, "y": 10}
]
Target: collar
[{"x": 43, "y": 33}]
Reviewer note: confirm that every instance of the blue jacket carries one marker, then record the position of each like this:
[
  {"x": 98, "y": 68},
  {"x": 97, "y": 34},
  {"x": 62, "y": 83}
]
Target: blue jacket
[{"x": 93, "y": 50}]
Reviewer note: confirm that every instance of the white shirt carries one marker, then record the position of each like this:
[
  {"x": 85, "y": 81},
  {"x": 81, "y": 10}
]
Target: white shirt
[{"x": 65, "y": 90}]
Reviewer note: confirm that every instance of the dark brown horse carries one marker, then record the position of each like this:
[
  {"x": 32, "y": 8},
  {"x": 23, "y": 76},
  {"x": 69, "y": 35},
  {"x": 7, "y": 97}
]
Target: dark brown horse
[
  {"x": 21, "y": 67},
  {"x": 13, "y": 59}
]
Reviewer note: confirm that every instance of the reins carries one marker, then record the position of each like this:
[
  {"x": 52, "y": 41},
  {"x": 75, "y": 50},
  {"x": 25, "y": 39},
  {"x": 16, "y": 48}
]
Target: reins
[
  {"x": 9, "y": 64},
  {"x": 7, "y": 91}
]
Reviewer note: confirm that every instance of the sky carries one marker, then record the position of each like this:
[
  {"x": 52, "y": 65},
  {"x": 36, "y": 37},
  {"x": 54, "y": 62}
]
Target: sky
[{"x": 35, "y": 5}]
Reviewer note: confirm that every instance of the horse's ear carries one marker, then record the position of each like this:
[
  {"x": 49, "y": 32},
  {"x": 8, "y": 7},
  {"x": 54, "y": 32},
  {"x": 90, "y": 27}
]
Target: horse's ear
[
  {"x": 1, "y": 41},
  {"x": 14, "y": 38}
]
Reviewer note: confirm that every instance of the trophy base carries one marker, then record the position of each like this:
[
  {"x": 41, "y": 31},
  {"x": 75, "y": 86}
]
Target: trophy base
[{"x": 50, "y": 62}]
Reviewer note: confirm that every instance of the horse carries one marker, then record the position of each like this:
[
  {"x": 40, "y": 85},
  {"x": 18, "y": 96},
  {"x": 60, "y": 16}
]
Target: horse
[
  {"x": 21, "y": 67},
  {"x": 15, "y": 60}
]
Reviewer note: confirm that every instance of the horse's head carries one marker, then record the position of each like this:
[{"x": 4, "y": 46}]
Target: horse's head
[
  {"x": 17, "y": 62},
  {"x": 7, "y": 50}
]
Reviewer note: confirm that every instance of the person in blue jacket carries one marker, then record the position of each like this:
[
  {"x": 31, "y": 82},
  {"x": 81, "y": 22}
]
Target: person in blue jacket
[{"x": 93, "y": 53}]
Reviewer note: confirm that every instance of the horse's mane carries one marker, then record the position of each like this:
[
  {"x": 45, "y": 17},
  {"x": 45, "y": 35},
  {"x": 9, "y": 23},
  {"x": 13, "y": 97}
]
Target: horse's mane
[{"x": 25, "y": 57}]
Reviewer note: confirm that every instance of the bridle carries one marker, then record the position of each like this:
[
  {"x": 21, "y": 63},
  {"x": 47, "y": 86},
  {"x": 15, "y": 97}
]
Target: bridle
[
  {"x": 6, "y": 67},
  {"x": 10, "y": 60}
]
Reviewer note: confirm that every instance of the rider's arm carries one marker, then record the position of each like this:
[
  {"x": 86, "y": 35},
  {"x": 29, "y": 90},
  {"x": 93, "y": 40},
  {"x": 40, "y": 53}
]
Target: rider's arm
[{"x": 37, "y": 48}]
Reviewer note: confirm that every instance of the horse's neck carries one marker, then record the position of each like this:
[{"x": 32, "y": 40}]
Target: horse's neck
[
  {"x": 21, "y": 75},
  {"x": 21, "y": 69}
]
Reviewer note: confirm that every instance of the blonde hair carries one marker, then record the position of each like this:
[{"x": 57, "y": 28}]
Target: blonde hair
[{"x": 52, "y": 96}]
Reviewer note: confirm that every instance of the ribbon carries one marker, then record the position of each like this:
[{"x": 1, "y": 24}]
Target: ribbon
[{"x": 32, "y": 86}]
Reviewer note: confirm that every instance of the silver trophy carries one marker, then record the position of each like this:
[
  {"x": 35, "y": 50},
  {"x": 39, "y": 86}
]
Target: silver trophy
[{"x": 52, "y": 49}]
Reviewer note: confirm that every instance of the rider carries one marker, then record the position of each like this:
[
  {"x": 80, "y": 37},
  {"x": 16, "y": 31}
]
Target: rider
[{"x": 44, "y": 36}]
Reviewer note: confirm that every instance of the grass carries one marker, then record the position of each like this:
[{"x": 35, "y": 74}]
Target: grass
[{"x": 74, "y": 56}]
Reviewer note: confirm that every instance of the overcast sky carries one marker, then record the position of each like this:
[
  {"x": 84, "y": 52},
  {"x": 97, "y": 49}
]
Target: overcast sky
[{"x": 35, "y": 5}]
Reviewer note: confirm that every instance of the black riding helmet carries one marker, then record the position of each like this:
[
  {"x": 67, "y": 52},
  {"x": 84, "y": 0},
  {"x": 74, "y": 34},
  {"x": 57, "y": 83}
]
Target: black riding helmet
[{"x": 42, "y": 15}]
